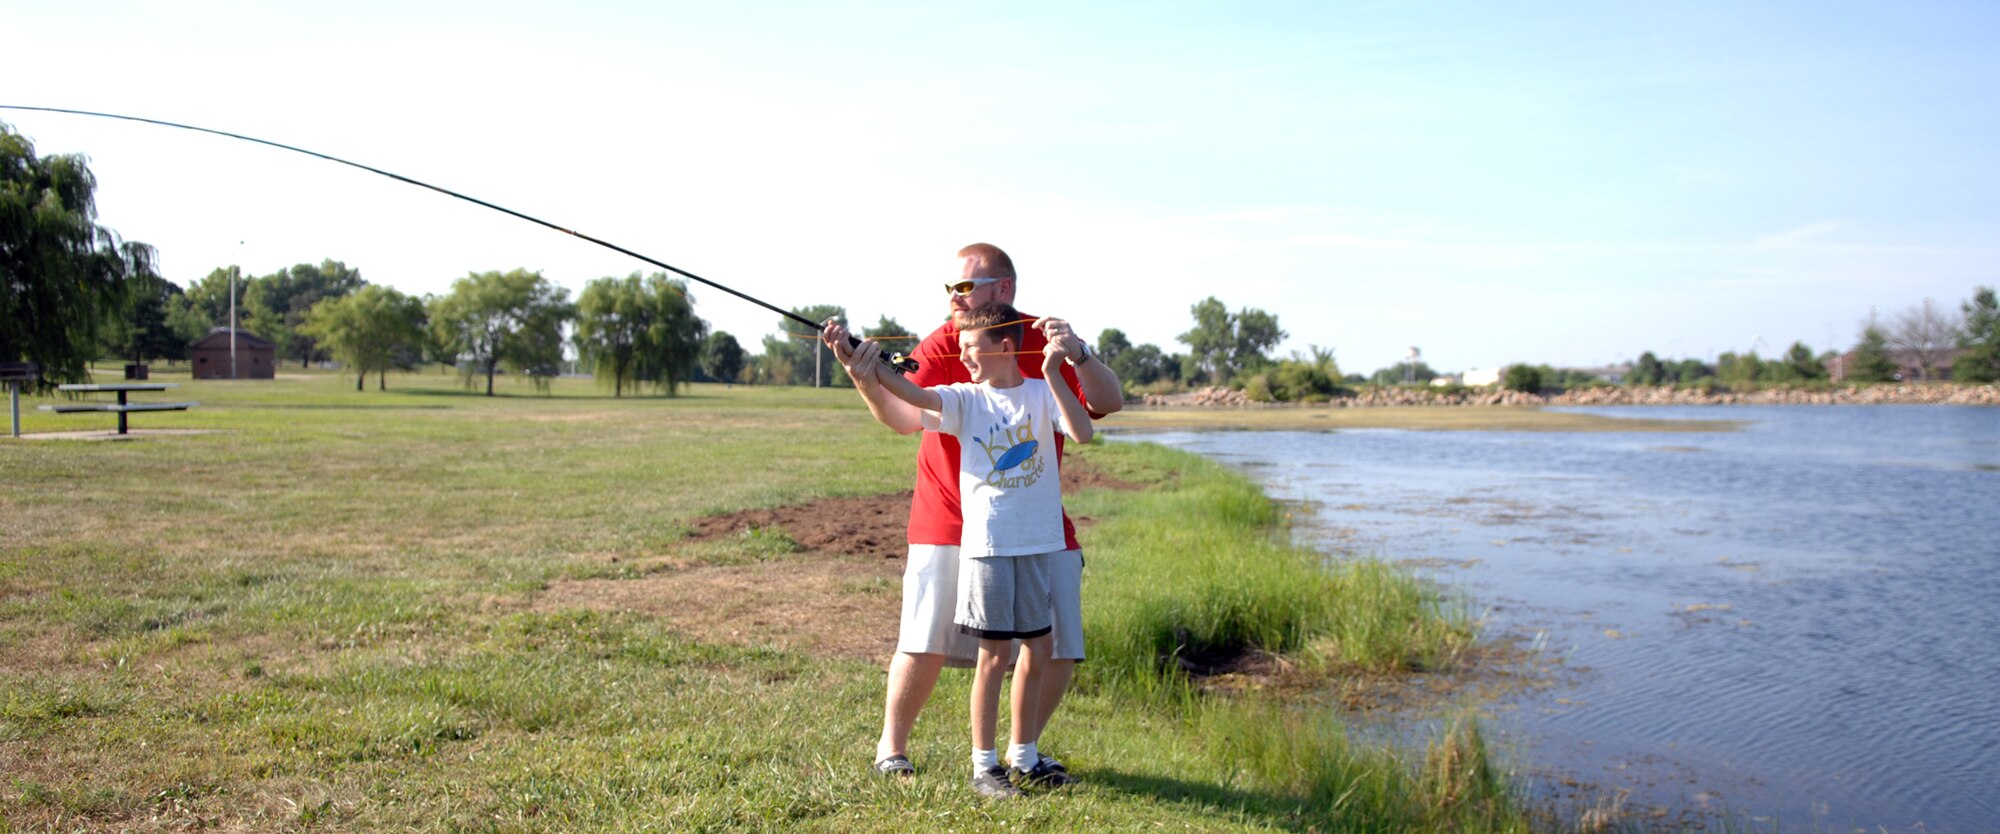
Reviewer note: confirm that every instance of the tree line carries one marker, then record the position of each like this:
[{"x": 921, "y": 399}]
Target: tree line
[
  {"x": 1928, "y": 336},
  {"x": 75, "y": 291}
]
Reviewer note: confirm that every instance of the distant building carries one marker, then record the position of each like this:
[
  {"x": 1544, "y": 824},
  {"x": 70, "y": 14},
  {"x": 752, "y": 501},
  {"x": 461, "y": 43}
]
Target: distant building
[
  {"x": 1482, "y": 376},
  {"x": 1447, "y": 380},
  {"x": 1614, "y": 374},
  {"x": 1908, "y": 369},
  {"x": 256, "y": 358}
]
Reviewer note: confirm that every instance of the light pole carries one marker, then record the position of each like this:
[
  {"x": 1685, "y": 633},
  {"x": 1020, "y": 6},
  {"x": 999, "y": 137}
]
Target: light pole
[{"x": 233, "y": 269}]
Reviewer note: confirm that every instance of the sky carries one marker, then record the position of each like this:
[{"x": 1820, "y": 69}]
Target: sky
[{"x": 1561, "y": 183}]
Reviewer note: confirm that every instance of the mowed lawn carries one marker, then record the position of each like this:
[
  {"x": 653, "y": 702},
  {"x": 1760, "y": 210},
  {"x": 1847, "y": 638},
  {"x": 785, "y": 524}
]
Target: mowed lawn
[{"x": 322, "y": 614}]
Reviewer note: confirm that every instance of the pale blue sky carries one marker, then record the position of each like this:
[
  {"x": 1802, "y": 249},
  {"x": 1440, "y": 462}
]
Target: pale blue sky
[{"x": 1561, "y": 183}]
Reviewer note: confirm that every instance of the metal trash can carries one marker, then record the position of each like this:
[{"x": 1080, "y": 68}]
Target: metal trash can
[{"x": 134, "y": 371}]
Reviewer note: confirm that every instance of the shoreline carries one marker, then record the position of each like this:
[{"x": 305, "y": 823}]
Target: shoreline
[
  {"x": 1898, "y": 394},
  {"x": 1523, "y": 418}
]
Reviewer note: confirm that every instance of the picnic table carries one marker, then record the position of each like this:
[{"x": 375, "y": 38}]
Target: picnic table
[{"x": 123, "y": 407}]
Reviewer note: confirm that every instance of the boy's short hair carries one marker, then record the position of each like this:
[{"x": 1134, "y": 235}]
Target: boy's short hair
[{"x": 997, "y": 318}]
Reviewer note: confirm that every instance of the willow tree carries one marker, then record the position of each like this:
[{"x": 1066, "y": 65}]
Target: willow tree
[
  {"x": 636, "y": 328},
  {"x": 61, "y": 274},
  {"x": 367, "y": 330},
  {"x": 141, "y": 326}
]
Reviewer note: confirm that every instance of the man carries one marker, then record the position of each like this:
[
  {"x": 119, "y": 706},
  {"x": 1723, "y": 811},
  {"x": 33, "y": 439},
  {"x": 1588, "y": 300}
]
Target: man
[{"x": 927, "y": 641}]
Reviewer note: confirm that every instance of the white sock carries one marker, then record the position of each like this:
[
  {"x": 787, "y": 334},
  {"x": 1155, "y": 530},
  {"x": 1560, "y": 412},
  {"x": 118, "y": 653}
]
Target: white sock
[
  {"x": 983, "y": 760},
  {"x": 1023, "y": 756}
]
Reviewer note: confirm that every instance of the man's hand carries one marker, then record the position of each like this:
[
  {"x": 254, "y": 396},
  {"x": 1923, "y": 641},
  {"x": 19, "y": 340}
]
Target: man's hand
[
  {"x": 1058, "y": 330},
  {"x": 1101, "y": 388}
]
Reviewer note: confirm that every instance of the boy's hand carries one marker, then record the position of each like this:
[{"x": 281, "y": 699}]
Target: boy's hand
[{"x": 1052, "y": 357}]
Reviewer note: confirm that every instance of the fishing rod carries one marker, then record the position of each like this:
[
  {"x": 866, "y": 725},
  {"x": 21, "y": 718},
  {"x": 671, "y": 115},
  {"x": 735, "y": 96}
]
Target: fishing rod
[{"x": 898, "y": 361}]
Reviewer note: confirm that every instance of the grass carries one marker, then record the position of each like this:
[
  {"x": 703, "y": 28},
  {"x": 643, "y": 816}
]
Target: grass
[{"x": 319, "y": 617}]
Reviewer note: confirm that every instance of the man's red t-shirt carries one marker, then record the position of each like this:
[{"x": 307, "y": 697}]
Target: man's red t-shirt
[{"x": 935, "y": 517}]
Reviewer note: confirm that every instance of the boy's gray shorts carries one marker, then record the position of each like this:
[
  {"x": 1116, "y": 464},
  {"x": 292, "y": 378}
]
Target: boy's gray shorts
[
  {"x": 930, "y": 603},
  {"x": 1004, "y": 597}
]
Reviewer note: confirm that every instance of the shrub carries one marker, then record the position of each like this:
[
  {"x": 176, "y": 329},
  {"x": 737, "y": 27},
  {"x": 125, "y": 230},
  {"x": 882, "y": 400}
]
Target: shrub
[
  {"x": 1526, "y": 378},
  {"x": 1258, "y": 388}
]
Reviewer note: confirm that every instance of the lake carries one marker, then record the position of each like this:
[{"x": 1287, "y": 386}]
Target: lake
[{"x": 1798, "y": 621}]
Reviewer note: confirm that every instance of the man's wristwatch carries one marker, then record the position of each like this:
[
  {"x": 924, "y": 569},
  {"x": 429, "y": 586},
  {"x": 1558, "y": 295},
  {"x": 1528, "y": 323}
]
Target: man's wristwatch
[{"x": 1083, "y": 354}]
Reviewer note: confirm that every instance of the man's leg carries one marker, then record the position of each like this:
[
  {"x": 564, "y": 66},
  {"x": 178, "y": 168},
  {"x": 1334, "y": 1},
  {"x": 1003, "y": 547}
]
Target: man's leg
[
  {"x": 926, "y": 642},
  {"x": 911, "y": 679}
]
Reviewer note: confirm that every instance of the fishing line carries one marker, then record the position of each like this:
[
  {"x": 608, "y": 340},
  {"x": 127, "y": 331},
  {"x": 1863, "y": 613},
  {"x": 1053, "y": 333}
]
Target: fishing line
[{"x": 446, "y": 191}]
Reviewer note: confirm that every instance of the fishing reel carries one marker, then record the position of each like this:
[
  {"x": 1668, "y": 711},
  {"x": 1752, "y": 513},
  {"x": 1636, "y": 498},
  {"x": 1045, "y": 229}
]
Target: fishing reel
[{"x": 903, "y": 363}]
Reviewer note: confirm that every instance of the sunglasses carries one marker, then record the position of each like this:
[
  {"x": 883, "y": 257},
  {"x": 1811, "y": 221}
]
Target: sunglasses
[{"x": 967, "y": 286}]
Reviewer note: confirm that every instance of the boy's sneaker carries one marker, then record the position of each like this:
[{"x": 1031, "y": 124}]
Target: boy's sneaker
[
  {"x": 1046, "y": 773},
  {"x": 992, "y": 783}
]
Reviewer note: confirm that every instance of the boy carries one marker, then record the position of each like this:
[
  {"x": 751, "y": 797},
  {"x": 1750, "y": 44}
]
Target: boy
[{"x": 1010, "y": 492}]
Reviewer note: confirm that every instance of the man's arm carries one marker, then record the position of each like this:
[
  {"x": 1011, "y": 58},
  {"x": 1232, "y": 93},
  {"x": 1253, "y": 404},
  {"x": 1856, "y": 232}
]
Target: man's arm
[
  {"x": 1075, "y": 416},
  {"x": 1101, "y": 386},
  {"x": 863, "y": 364}
]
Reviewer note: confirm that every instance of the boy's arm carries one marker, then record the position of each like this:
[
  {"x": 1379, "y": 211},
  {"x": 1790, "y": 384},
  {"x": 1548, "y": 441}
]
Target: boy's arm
[
  {"x": 1076, "y": 418},
  {"x": 907, "y": 391},
  {"x": 864, "y": 366}
]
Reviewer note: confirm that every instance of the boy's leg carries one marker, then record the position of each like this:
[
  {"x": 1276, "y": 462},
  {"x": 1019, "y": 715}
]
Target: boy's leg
[
  {"x": 1055, "y": 677},
  {"x": 985, "y": 700},
  {"x": 989, "y": 777},
  {"x": 990, "y": 606},
  {"x": 1065, "y": 589},
  {"x": 1066, "y": 607},
  {"x": 1029, "y": 672}
]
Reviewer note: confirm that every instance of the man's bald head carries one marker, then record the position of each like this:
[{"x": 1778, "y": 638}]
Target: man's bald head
[
  {"x": 994, "y": 261},
  {"x": 984, "y": 260}
]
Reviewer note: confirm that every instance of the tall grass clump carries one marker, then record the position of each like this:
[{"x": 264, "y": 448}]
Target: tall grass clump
[
  {"x": 1305, "y": 755},
  {"x": 1199, "y": 574},
  {"x": 1192, "y": 578}
]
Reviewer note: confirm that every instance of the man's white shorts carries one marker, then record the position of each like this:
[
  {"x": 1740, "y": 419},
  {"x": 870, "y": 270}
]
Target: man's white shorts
[{"x": 930, "y": 599}]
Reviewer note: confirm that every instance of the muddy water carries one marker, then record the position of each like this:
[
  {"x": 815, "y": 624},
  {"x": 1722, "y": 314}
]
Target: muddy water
[{"x": 1798, "y": 622}]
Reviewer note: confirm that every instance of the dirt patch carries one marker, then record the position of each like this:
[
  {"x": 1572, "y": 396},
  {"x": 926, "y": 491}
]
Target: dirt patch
[
  {"x": 830, "y": 606},
  {"x": 839, "y": 597},
  {"x": 1078, "y": 474},
  {"x": 869, "y": 526},
  {"x": 872, "y": 525}
]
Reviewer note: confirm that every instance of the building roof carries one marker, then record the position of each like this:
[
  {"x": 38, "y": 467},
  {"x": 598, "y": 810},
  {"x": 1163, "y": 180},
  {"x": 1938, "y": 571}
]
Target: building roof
[{"x": 219, "y": 338}]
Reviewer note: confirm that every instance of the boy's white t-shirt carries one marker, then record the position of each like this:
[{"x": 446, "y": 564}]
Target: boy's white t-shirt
[{"x": 1009, "y": 492}]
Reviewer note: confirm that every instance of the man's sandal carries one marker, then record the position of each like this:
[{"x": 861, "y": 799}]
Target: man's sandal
[{"x": 897, "y": 765}]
